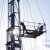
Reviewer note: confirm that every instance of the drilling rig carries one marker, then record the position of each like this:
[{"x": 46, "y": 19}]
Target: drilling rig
[{"x": 15, "y": 32}]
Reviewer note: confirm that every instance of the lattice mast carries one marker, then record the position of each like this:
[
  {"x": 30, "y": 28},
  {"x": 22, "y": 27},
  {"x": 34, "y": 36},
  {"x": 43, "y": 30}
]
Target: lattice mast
[{"x": 13, "y": 40}]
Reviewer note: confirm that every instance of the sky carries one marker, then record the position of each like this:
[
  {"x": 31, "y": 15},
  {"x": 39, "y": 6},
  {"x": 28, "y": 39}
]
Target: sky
[{"x": 28, "y": 44}]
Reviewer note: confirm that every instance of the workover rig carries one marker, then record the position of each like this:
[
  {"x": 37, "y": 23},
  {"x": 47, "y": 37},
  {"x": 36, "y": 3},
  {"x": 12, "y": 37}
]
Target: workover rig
[{"x": 18, "y": 29}]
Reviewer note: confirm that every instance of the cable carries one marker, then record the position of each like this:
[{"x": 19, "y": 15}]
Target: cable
[
  {"x": 31, "y": 10},
  {"x": 1, "y": 14},
  {"x": 23, "y": 10},
  {"x": 43, "y": 21},
  {"x": 40, "y": 10},
  {"x": 2, "y": 2},
  {"x": 26, "y": 10}
]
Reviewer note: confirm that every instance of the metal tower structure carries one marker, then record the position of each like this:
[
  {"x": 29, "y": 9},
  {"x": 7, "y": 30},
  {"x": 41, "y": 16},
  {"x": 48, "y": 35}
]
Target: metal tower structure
[
  {"x": 15, "y": 32},
  {"x": 13, "y": 40}
]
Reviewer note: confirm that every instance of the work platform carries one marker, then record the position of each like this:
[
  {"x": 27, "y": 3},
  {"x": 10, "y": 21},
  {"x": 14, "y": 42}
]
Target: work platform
[{"x": 33, "y": 31}]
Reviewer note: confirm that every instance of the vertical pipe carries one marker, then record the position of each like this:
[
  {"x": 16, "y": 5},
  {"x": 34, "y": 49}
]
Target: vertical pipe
[{"x": 19, "y": 22}]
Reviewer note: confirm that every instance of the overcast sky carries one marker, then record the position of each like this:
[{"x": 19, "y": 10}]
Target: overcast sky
[{"x": 29, "y": 44}]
